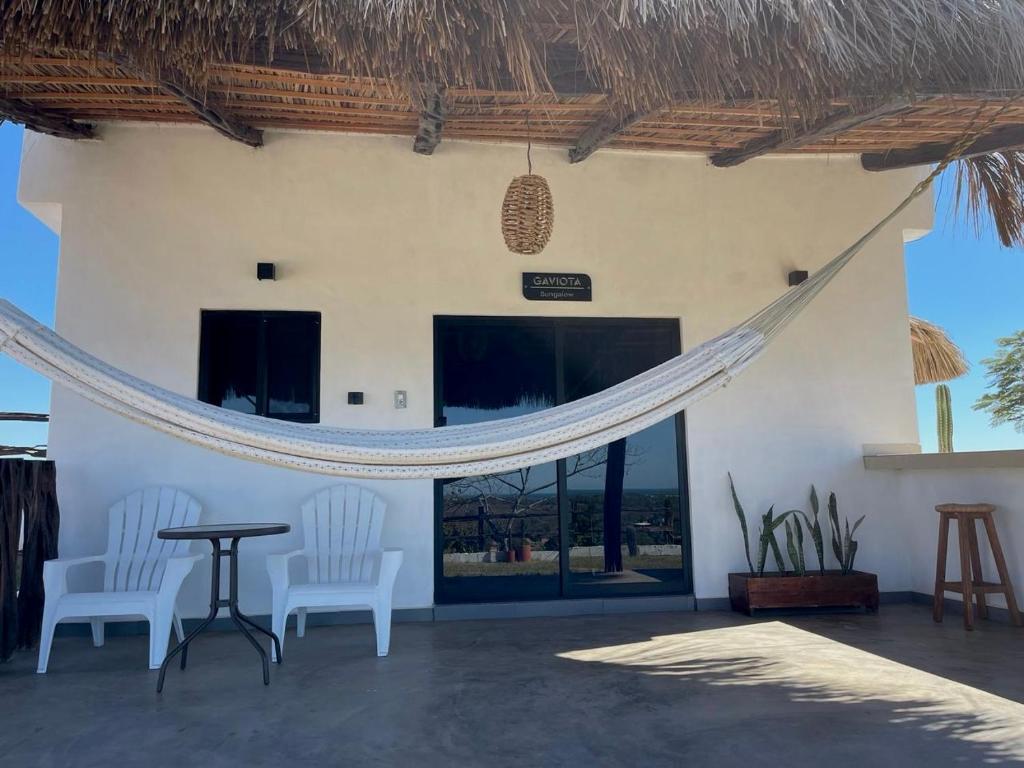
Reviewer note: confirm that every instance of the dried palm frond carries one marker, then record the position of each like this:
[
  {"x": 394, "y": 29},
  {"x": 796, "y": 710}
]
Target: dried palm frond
[
  {"x": 801, "y": 53},
  {"x": 994, "y": 183},
  {"x": 936, "y": 357}
]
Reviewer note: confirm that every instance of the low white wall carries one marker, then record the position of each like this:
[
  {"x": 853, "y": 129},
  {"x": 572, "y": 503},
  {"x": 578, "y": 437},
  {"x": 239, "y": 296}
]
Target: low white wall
[
  {"x": 915, "y": 494},
  {"x": 160, "y": 222}
]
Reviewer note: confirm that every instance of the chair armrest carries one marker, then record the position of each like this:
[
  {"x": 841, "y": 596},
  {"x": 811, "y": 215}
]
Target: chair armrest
[
  {"x": 390, "y": 562},
  {"x": 277, "y": 568},
  {"x": 55, "y": 572}
]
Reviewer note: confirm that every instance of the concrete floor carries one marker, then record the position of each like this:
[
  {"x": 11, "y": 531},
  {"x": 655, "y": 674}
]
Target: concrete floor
[{"x": 701, "y": 689}]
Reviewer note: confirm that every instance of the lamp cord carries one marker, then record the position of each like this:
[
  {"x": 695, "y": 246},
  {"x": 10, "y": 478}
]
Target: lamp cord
[{"x": 529, "y": 146}]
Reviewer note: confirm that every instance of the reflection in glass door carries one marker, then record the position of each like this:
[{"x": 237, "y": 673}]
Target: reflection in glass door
[
  {"x": 610, "y": 521},
  {"x": 625, "y": 527},
  {"x": 500, "y": 533}
]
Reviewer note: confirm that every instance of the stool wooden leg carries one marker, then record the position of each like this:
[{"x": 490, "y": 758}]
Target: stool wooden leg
[
  {"x": 938, "y": 604},
  {"x": 1004, "y": 574},
  {"x": 966, "y": 587},
  {"x": 976, "y": 574}
]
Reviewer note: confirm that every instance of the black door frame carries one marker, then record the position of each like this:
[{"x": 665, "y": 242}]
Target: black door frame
[{"x": 566, "y": 588}]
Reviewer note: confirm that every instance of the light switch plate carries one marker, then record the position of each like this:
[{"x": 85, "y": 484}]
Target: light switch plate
[{"x": 401, "y": 399}]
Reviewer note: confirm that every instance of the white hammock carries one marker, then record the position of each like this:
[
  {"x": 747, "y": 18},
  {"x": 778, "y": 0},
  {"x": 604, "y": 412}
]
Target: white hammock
[{"x": 458, "y": 451}]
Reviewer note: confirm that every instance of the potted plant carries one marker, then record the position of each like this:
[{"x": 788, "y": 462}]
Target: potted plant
[
  {"x": 796, "y": 587},
  {"x": 524, "y": 552}
]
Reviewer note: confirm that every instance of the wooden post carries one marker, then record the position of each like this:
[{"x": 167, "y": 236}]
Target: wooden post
[
  {"x": 214, "y": 115},
  {"x": 433, "y": 110},
  {"x": 43, "y": 121},
  {"x": 838, "y": 122},
  {"x": 604, "y": 130},
  {"x": 966, "y": 584},
  {"x": 938, "y": 603},
  {"x": 999, "y": 140}
]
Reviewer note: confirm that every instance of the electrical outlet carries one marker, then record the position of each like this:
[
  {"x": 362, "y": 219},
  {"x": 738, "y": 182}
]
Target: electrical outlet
[{"x": 401, "y": 401}]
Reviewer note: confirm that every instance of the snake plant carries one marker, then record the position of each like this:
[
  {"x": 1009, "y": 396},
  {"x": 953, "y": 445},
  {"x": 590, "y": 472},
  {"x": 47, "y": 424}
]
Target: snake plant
[
  {"x": 843, "y": 545},
  {"x": 814, "y": 526},
  {"x": 766, "y": 534},
  {"x": 795, "y": 544}
]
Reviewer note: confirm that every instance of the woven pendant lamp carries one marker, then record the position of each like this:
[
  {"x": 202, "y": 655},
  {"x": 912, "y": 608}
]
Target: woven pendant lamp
[{"x": 527, "y": 212}]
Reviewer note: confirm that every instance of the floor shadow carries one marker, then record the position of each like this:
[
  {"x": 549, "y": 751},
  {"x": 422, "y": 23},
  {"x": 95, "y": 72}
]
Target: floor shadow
[{"x": 632, "y": 690}]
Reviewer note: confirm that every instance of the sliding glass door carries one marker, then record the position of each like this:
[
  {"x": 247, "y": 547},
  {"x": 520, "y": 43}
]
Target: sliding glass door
[{"x": 612, "y": 521}]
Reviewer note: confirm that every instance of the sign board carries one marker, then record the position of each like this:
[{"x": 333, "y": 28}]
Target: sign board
[{"x": 556, "y": 286}]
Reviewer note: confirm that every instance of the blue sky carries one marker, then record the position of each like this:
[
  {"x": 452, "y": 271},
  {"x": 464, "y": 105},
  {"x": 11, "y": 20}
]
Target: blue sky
[
  {"x": 962, "y": 280},
  {"x": 970, "y": 285},
  {"x": 28, "y": 273}
]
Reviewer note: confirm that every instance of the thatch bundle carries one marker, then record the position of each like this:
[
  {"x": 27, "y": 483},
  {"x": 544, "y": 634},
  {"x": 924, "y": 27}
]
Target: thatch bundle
[
  {"x": 936, "y": 357},
  {"x": 802, "y": 52},
  {"x": 996, "y": 183}
]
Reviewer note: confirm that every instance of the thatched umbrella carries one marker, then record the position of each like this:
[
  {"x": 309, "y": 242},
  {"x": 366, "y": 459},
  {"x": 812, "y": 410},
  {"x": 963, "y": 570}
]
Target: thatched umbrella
[{"x": 936, "y": 357}]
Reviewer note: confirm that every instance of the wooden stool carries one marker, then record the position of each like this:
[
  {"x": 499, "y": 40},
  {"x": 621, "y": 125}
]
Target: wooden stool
[{"x": 971, "y": 584}]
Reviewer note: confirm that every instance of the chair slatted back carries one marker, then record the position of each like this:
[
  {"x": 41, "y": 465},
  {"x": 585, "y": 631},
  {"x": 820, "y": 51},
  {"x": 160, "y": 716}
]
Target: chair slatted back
[
  {"x": 135, "y": 557},
  {"x": 341, "y": 525}
]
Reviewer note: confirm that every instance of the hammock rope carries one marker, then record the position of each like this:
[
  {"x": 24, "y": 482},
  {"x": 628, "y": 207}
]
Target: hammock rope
[{"x": 488, "y": 447}]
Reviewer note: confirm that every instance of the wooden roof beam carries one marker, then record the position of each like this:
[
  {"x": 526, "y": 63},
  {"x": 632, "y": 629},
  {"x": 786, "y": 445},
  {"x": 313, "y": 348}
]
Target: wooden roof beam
[
  {"x": 602, "y": 131},
  {"x": 433, "y": 111},
  {"x": 23, "y": 416},
  {"x": 999, "y": 140},
  {"x": 210, "y": 113},
  {"x": 830, "y": 125},
  {"x": 43, "y": 120}
]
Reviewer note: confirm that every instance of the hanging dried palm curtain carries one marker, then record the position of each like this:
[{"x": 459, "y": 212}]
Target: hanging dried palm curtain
[
  {"x": 29, "y": 521},
  {"x": 459, "y": 451}
]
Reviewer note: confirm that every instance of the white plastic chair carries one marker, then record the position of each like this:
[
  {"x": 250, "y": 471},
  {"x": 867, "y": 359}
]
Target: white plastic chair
[
  {"x": 142, "y": 574},
  {"x": 346, "y": 568}
]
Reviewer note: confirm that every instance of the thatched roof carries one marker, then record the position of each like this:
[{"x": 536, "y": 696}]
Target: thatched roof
[
  {"x": 898, "y": 80},
  {"x": 936, "y": 357},
  {"x": 642, "y": 52}
]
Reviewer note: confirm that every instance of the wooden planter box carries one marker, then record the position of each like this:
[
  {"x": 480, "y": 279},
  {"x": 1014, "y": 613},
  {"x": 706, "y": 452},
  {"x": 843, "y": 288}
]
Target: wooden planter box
[{"x": 749, "y": 593}]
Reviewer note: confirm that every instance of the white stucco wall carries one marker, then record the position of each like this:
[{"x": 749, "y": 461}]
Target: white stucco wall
[
  {"x": 914, "y": 493},
  {"x": 160, "y": 222}
]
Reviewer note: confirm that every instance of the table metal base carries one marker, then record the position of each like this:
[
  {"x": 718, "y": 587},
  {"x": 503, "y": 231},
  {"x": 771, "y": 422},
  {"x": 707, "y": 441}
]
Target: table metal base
[{"x": 243, "y": 622}]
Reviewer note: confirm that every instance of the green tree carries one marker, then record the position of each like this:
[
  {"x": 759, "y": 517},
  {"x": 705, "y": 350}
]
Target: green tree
[{"x": 1005, "y": 400}]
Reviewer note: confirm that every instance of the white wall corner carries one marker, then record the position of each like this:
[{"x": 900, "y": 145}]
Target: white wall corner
[
  {"x": 919, "y": 218},
  {"x": 35, "y": 178}
]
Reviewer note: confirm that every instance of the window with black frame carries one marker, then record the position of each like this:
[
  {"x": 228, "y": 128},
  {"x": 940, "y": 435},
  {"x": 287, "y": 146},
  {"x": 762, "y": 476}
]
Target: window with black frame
[{"x": 265, "y": 363}]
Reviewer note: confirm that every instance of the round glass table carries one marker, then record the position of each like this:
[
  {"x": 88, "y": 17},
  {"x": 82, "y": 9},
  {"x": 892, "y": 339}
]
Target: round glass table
[{"x": 215, "y": 533}]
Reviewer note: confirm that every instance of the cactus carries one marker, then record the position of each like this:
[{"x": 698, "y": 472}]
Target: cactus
[
  {"x": 843, "y": 545},
  {"x": 815, "y": 528},
  {"x": 944, "y": 418}
]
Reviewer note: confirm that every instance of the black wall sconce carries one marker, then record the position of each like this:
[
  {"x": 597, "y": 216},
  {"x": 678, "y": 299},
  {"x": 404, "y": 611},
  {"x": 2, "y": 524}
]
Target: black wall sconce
[
  {"x": 355, "y": 398},
  {"x": 797, "y": 276},
  {"x": 265, "y": 270}
]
